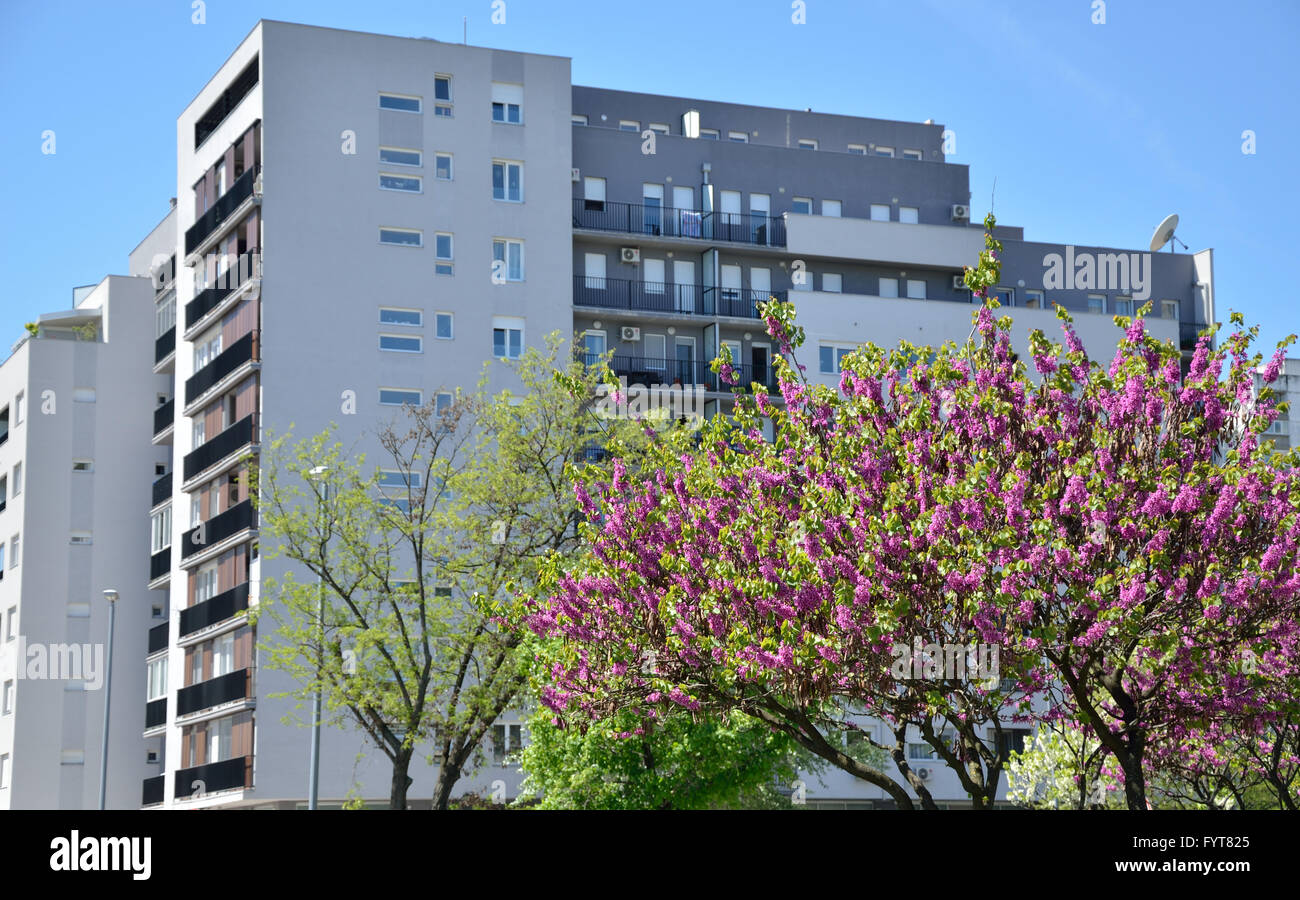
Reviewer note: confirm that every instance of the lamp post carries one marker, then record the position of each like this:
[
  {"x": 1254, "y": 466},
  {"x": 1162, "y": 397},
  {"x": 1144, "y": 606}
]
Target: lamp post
[
  {"x": 111, "y": 596},
  {"x": 313, "y": 781}
]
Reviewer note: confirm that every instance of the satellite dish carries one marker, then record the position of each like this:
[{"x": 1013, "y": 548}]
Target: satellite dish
[{"x": 1164, "y": 233}]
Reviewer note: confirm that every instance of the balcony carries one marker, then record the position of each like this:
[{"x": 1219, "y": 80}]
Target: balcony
[
  {"x": 155, "y": 713},
  {"x": 215, "y": 530},
  {"x": 152, "y": 794},
  {"x": 160, "y": 564},
  {"x": 217, "y": 691},
  {"x": 665, "y": 221},
  {"x": 231, "y": 774},
  {"x": 247, "y": 266},
  {"x": 242, "y": 434},
  {"x": 162, "y": 489},
  {"x": 239, "y": 353},
  {"x": 652, "y": 372},
  {"x": 164, "y": 345},
  {"x": 164, "y": 416},
  {"x": 226, "y": 204},
  {"x": 673, "y": 299},
  {"x": 215, "y": 610},
  {"x": 1188, "y": 334},
  {"x": 158, "y": 637}
]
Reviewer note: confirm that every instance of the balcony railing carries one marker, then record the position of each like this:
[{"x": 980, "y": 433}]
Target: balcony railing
[
  {"x": 219, "y": 776},
  {"x": 248, "y": 265},
  {"x": 158, "y": 637},
  {"x": 241, "y": 351},
  {"x": 163, "y": 416},
  {"x": 1188, "y": 333},
  {"x": 162, "y": 489},
  {"x": 160, "y": 563},
  {"x": 241, "y": 434},
  {"x": 227, "y": 203},
  {"x": 218, "y": 528},
  {"x": 155, "y": 713},
  {"x": 680, "y": 299},
  {"x": 651, "y": 372},
  {"x": 214, "y": 692},
  {"x": 666, "y": 221},
  {"x": 164, "y": 345},
  {"x": 222, "y": 607},
  {"x": 152, "y": 794}
]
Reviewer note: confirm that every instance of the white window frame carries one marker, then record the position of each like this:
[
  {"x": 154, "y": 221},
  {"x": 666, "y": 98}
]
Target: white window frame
[
  {"x": 1102, "y": 303},
  {"x": 623, "y": 123},
  {"x": 913, "y": 291},
  {"x": 160, "y": 529},
  {"x": 505, "y": 180},
  {"x": 419, "y": 341},
  {"x": 802, "y": 143},
  {"x": 660, "y": 128},
  {"x": 419, "y": 396},
  {"x": 419, "y": 323},
  {"x": 808, "y": 200},
  {"x": 448, "y": 262},
  {"x": 507, "y": 94},
  {"x": 836, "y": 205},
  {"x": 507, "y": 324},
  {"x": 858, "y": 149},
  {"x": 1040, "y": 296},
  {"x": 887, "y": 152},
  {"x": 451, "y": 326},
  {"x": 909, "y": 215},
  {"x": 419, "y": 235},
  {"x": 451, "y": 166},
  {"x": 1125, "y": 300},
  {"x": 878, "y": 207},
  {"x": 836, "y": 283},
  {"x": 913, "y": 154},
  {"x": 710, "y": 134},
  {"x": 838, "y": 351},
  {"x": 880, "y": 288},
  {"x": 505, "y": 249},
  {"x": 577, "y": 119},
  {"x": 419, "y": 183},
  {"x": 1177, "y": 310},
  {"x": 393, "y": 162},
  {"x": 419, "y": 103},
  {"x": 156, "y": 679},
  {"x": 738, "y": 137}
]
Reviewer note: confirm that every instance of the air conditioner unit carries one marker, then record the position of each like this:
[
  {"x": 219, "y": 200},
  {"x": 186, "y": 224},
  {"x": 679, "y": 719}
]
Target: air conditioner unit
[
  {"x": 575, "y": 176},
  {"x": 959, "y": 282},
  {"x": 629, "y": 333},
  {"x": 925, "y": 774},
  {"x": 960, "y": 211},
  {"x": 631, "y": 254}
]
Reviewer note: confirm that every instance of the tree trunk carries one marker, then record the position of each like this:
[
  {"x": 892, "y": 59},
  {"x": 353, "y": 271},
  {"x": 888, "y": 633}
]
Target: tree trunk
[
  {"x": 401, "y": 781},
  {"x": 448, "y": 774},
  {"x": 1135, "y": 788}
]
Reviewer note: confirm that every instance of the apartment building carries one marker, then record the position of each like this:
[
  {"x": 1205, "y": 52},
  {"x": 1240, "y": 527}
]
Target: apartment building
[
  {"x": 1286, "y": 427},
  {"x": 75, "y": 461},
  {"x": 362, "y": 220}
]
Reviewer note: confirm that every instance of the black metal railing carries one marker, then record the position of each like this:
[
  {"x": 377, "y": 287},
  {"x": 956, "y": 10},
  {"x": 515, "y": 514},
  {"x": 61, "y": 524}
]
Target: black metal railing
[
  {"x": 214, "y": 610},
  {"x": 227, "y": 688},
  {"x": 162, "y": 489},
  {"x": 164, "y": 345},
  {"x": 682, "y": 299},
  {"x": 666, "y": 221},
  {"x": 160, "y": 563},
  {"x": 152, "y": 793},
  {"x": 651, "y": 371},
  {"x": 228, "y": 360},
  {"x": 241, "y": 434},
  {"x": 155, "y": 713},
  {"x": 1188, "y": 334},
  {"x": 227, "y": 203},
  {"x": 219, "y": 776},
  {"x": 739, "y": 302},
  {"x": 164, "y": 415},
  {"x": 248, "y": 265},
  {"x": 158, "y": 637},
  {"x": 217, "y": 529}
]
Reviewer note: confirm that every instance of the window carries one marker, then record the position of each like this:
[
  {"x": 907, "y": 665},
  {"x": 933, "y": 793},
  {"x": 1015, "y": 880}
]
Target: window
[
  {"x": 160, "y": 525},
  {"x": 442, "y": 166},
  {"x": 507, "y": 337},
  {"x": 832, "y": 208},
  {"x": 207, "y": 348},
  {"x": 913, "y": 154},
  {"x": 19, "y": 399},
  {"x": 412, "y": 184},
  {"x": 916, "y": 288},
  {"x": 397, "y": 157},
  {"x": 660, "y": 128},
  {"x": 14, "y": 546},
  {"x": 507, "y": 259},
  {"x": 1123, "y": 306},
  {"x": 399, "y": 102},
  {"x": 401, "y": 237},
  {"x": 205, "y": 583},
  {"x": 710, "y": 134},
  {"x": 7, "y": 704},
  {"x": 1034, "y": 300},
  {"x": 1168, "y": 310},
  {"x": 884, "y": 151},
  {"x": 506, "y": 740},
  {"x": 880, "y": 212},
  {"x": 398, "y": 343},
  {"x": 18, "y": 478},
  {"x": 11, "y": 626},
  {"x": 442, "y": 110},
  {"x": 738, "y": 137},
  {"x": 889, "y": 287},
  {"x": 807, "y": 144},
  {"x": 832, "y": 282},
  {"x": 164, "y": 316},
  {"x": 858, "y": 149},
  {"x": 83, "y": 395},
  {"x": 393, "y": 316},
  {"x": 909, "y": 215},
  {"x": 508, "y": 181},
  {"x": 1011, "y": 740},
  {"x": 442, "y": 93},
  {"x": 508, "y": 103},
  {"x": 802, "y": 205},
  {"x": 4, "y": 770},
  {"x": 219, "y": 733},
  {"x": 629, "y": 125},
  {"x": 442, "y": 251},
  {"x": 577, "y": 119},
  {"x": 396, "y": 478},
  {"x": 83, "y": 465},
  {"x": 442, "y": 402},
  {"x": 399, "y": 397},
  {"x": 198, "y": 431},
  {"x": 1005, "y": 296},
  {"x": 442, "y": 326},
  {"x": 1097, "y": 303},
  {"x": 831, "y": 358},
  {"x": 593, "y": 193},
  {"x": 157, "y": 676}
]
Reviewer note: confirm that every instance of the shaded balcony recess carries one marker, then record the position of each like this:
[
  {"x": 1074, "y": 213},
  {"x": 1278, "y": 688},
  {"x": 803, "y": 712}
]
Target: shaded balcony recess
[
  {"x": 164, "y": 416},
  {"x": 241, "y": 351},
  {"x": 155, "y": 713},
  {"x": 162, "y": 489},
  {"x": 246, "y": 266},
  {"x": 164, "y": 345},
  {"x": 160, "y": 563},
  {"x": 214, "y": 610},
  {"x": 208, "y": 454},
  {"x": 215, "y": 530},
  {"x": 158, "y": 637},
  {"x": 218, "y": 212},
  {"x": 152, "y": 790},
  {"x": 226, "y": 775},
  {"x": 216, "y": 691},
  {"x": 655, "y": 372},
  {"x": 757, "y": 229},
  {"x": 674, "y": 299}
]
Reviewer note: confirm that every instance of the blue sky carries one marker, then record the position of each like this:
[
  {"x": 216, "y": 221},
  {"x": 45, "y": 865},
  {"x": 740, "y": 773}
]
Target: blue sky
[{"x": 1094, "y": 132}]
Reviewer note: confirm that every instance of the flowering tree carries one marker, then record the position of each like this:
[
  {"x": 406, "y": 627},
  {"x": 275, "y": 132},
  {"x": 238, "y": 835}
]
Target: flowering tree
[{"x": 1116, "y": 532}]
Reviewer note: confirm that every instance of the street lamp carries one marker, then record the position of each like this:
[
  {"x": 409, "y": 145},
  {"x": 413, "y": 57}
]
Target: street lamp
[
  {"x": 111, "y": 596},
  {"x": 313, "y": 782}
]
